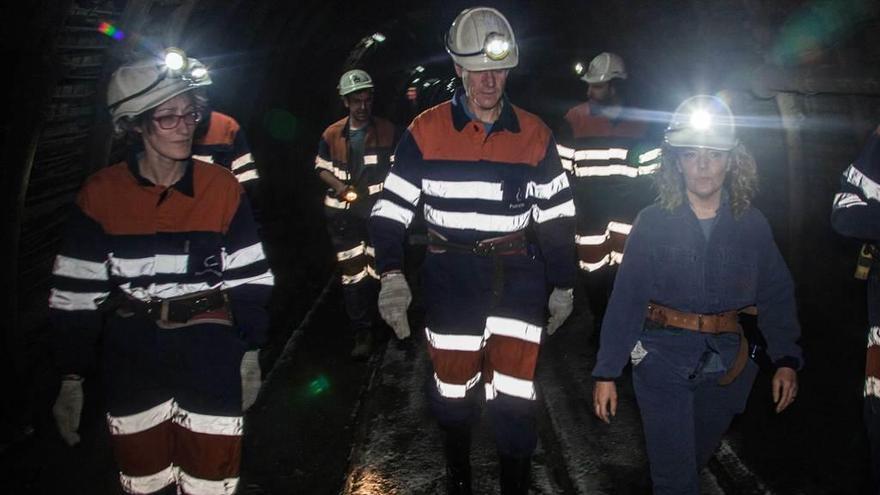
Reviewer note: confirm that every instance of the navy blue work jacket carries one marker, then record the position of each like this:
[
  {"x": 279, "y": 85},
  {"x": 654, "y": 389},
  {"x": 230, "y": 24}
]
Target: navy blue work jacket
[{"x": 668, "y": 260}]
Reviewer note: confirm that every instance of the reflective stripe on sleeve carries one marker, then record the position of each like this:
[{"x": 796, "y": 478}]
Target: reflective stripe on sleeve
[
  {"x": 591, "y": 267},
  {"x": 204, "y": 158},
  {"x": 335, "y": 203},
  {"x": 76, "y": 301},
  {"x": 649, "y": 156},
  {"x": 77, "y": 268},
  {"x": 391, "y": 211},
  {"x": 403, "y": 188},
  {"x": 559, "y": 211},
  {"x": 869, "y": 188},
  {"x": 350, "y": 253},
  {"x": 371, "y": 159},
  {"x": 565, "y": 152},
  {"x": 549, "y": 189},
  {"x": 247, "y": 176},
  {"x": 241, "y": 161},
  {"x": 244, "y": 256},
  {"x": 846, "y": 200},
  {"x": 375, "y": 189}
]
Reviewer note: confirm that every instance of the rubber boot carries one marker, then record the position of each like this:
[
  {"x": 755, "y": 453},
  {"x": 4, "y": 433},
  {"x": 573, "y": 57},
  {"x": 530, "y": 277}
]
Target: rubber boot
[
  {"x": 457, "y": 448},
  {"x": 515, "y": 473},
  {"x": 363, "y": 344}
]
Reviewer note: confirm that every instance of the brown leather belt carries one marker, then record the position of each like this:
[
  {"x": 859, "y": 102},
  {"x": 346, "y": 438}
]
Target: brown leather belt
[
  {"x": 714, "y": 324},
  {"x": 725, "y": 322},
  {"x": 506, "y": 245},
  {"x": 178, "y": 309}
]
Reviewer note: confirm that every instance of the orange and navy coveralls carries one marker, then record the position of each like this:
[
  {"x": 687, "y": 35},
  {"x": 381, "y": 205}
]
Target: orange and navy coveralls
[
  {"x": 611, "y": 163},
  {"x": 223, "y": 142},
  {"x": 173, "y": 389},
  {"x": 477, "y": 184},
  {"x": 856, "y": 213},
  {"x": 347, "y": 222}
]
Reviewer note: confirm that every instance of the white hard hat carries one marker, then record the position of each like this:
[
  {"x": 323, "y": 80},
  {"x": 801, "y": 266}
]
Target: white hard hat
[
  {"x": 702, "y": 121},
  {"x": 605, "y": 67},
  {"x": 137, "y": 87},
  {"x": 480, "y": 38},
  {"x": 354, "y": 80}
]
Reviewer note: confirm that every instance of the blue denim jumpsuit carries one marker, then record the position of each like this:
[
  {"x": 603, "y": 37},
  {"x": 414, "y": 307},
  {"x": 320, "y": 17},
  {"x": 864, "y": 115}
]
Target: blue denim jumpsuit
[{"x": 669, "y": 260}]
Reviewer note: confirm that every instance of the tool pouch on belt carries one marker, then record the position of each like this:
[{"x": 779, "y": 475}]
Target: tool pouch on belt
[
  {"x": 179, "y": 310},
  {"x": 715, "y": 324},
  {"x": 508, "y": 245}
]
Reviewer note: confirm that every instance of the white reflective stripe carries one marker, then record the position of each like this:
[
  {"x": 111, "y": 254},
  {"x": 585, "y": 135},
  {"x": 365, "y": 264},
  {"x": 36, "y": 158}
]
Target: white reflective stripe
[
  {"x": 872, "y": 387},
  {"x": 567, "y": 165},
  {"x": 564, "y": 151},
  {"x": 490, "y": 391},
  {"x": 249, "y": 175},
  {"x": 845, "y": 200},
  {"x": 244, "y": 256},
  {"x": 615, "y": 258},
  {"x": 241, "y": 161},
  {"x": 869, "y": 188},
  {"x": 463, "y": 189},
  {"x": 600, "y": 154},
  {"x": 196, "y": 486},
  {"x": 150, "y": 483},
  {"x": 389, "y": 210},
  {"x": 375, "y": 189},
  {"x": 548, "y": 190},
  {"x": 208, "y": 424},
  {"x": 649, "y": 169},
  {"x": 350, "y": 253},
  {"x": 518, "y": 329},
  {"x": 591, "y": 240},
  {"x": 204, "y": 158},
  {"x": 454, "y": 391},
  {"x": 165, "y": 291},
  {"x": 477, "y": 221},
  {"x": 76, "y": 268},
  {"x": 335, "y": 203},
  {"x": 559, "y": 211},
  {"x": 371, "y": 159},
  {"x": 592, "y": 267},
  {"x": 874, "y": 336},
  {"x": 146, "y": 267},
  {"x": 403, "y": 188},
  {"x": 323, "y": 164},
  {"x": 649, "y": 156},
  {"x": 353, "y": 279},
  {"x": 76, "y": 301},
  {"x": 371, "y": 272},
  {"x": 371, "y": 251},
  {"x": 142, "y": 421},
  {"x": 448, "y": 342},
  {"x": 391, "y": 158},
  {"x": 619, "y": 227},
  {"x": 607, "y": 171},
  {"x": 509, "y": 385},
  {"x": 265, "y": 278}
]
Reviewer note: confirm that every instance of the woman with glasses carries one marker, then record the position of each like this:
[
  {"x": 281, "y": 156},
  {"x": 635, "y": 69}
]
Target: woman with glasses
[
  {"x": 161, "y": 260},
  {"x": 691, "y": 263}
]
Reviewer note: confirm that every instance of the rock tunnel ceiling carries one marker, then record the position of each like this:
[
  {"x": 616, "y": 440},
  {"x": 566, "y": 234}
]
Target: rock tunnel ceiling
[{"x": 805, "y": 71}]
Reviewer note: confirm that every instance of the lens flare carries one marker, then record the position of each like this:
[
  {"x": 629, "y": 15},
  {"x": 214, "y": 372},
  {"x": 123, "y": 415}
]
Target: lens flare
[
  {"x": 319, "y": 385},
  {"x": 111, "y": 31},
  {"x": 701, "y": 120}
]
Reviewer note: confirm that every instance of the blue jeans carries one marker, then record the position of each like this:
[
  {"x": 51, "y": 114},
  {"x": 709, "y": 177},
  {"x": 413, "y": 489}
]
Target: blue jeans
[{"x": 685, "y": 412}]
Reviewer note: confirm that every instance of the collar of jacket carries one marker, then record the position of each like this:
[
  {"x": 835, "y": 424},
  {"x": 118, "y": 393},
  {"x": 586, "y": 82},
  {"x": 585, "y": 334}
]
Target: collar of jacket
[
  {"x": 345, "y": 129},
  {"x": 184, "y": 184},
  {"x": 684, "y": 209},
  {"x": 507, "y": 121}
]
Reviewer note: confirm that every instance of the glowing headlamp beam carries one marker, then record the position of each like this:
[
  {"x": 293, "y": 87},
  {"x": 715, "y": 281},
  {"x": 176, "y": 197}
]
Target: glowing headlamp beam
[
  {"x": 701, "y": 120},
  {"x": 497, "y": 48},
  {"x": 175, "y": 59}
]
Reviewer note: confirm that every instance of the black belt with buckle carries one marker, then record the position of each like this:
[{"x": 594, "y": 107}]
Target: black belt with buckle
[
  {"x": 507, "y": 245},
  {"x": 178, "y": 309}
]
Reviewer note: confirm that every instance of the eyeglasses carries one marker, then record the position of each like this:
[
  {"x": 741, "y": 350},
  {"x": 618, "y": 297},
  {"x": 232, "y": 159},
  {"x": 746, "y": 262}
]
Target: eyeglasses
[{"x": 171, "y": 121}]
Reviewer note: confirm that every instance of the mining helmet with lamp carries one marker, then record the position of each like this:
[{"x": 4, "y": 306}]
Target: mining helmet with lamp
[
  {"x": 605, "y": 67},
  {"x": 702, "y": 121},
  {"x": 354, "y": 80},
  {"x": 481, "y": 39},
  {"x": 139, "y": 86}
]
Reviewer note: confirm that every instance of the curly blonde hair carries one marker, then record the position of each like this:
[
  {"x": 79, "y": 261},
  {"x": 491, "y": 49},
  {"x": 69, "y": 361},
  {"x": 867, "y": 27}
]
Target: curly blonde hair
[{"x": 741, "y": 182}]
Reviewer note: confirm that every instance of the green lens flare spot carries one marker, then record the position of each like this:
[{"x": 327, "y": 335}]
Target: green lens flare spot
[
  {"x": 281, "y": 124},
  {"x": 319, "y": 385}
]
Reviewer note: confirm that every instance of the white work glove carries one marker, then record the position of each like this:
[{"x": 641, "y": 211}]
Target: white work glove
[
  {"x": 251, "y": 378},
  {"x": 394, "y": 299},
  {"x": 560, "y": 305},
  {"x": 68, "y": 409}
]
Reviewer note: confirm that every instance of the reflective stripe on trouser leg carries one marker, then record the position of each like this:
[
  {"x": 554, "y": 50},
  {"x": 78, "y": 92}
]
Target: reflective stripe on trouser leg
[{"x": 456, "y": 376}]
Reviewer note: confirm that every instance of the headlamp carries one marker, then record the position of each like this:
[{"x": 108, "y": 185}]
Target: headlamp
[
  {"x": 175, "y": 64},
  {"x": 175, "y": 59},
  {"x": 496, "y": 46},
  {"x": 350, "y": 195},
  {"x": 701, "y": 120}
]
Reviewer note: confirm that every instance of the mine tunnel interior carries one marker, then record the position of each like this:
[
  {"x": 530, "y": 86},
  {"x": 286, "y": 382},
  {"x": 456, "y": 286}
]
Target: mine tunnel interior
[{"x": 803, "y": 73}]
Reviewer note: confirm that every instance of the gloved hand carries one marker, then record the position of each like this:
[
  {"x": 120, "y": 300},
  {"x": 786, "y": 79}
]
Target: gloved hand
[
  {"x": 251, "y": 378},
  {"x": 68, "y": 409},
  {"x": 560, "y": 305},
  {"x": 394, "y": 299}
]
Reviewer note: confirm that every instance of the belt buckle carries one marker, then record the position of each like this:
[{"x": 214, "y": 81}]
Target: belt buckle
[{"x": 483, "y": 249}]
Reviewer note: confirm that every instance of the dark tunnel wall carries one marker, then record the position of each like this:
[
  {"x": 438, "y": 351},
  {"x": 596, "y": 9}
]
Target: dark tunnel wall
[{"x": 275, "y": 66}]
